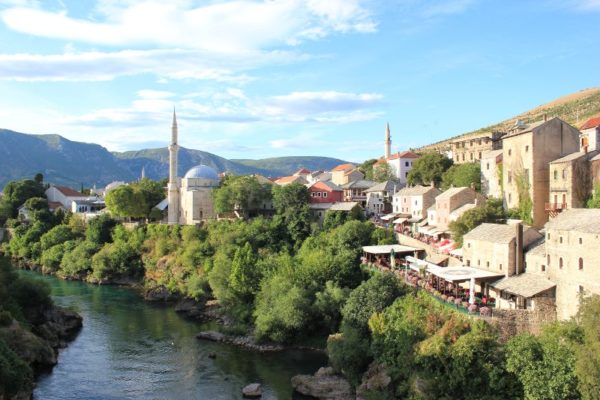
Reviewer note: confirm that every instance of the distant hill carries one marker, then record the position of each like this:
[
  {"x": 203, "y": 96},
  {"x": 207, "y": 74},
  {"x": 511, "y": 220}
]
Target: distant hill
[
  {"x": 574, "y": 108},
  {"x": 289, "y": 165},
  {"x": 71, "y": 163}
]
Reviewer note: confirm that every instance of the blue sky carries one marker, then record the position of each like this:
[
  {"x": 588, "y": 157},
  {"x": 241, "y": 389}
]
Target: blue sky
[{"x": 254, "y": 79}]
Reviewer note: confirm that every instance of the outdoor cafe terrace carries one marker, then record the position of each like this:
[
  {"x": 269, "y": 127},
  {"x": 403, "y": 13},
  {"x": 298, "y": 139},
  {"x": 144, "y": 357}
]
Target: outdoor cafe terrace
[{"x": 461, "y": 287}]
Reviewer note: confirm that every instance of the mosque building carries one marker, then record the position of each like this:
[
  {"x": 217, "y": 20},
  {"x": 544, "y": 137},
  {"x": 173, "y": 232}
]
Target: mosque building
[{"x": 189, "y": 198}]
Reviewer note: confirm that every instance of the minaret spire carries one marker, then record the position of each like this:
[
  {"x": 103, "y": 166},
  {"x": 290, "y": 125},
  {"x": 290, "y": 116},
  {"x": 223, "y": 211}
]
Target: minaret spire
[
  {"x": 388, "y": 141},
  {"x": 173, "y": 217}
]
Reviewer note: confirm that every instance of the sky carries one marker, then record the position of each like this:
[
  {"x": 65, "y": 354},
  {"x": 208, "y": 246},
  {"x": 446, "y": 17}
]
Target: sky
[{"x": 257, "y": 79}]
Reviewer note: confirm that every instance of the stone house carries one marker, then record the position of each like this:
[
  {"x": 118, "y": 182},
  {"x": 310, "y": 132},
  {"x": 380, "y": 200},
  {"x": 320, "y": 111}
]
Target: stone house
[
  {"x": 526, "y": 152},
  {"x": 572, "y": 257},
  {"x": 64, "y": 195},
  {"x": 325, "y": 192},
  {"x": 472, "y": 148},
  {"x": 345, "y": 173},
  {"x": 400, "y": 164},
  {"x": 415, "y": 200},
  {"x": 570, "y": 181},
  {"x": 491, "y": 173},
  {"x": 379, "y": 197},
  {"x": 356, "y": 191},
  {"x": 452, "y": 200},
  {"x": 590, "y": 134}
]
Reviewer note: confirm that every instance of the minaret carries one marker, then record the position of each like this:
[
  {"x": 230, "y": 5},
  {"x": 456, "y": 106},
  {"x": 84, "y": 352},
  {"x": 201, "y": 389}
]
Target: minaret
[
  {"x": 173, "y": 180},
  {"x": 143, "y": 174},
  {"x": 388, "y": 141}
]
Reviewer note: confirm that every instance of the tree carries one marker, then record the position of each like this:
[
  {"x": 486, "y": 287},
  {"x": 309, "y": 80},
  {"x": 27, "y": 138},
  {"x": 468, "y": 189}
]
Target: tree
[
  {"x": 244, "y": 194},
  {"x": 492, "y": 211},
  {"x": 383, "y": 172},
  {"x": 367, "y": 168},
  {"x": 545, "y": 365},
  {"x": 99, "y": 230},
  {"x": 463, "y": 175},
  {"x": 153, "y": 193},
  {"x": 289, "y": 197},
  {"x": 126, "y": 201},
  {"x": 245, "y": 276},
  {"x": 587, "y": 366},
  {"x": 428, "y": 169},
  {"x": 594, "y": 201},
  {"x": 291, "y": 204},
  {"x": 15, "y": 195}
]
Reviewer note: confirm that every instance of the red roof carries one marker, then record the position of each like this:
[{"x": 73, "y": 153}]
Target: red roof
[
  {"x": 289, "y": 179},
  {"x": 591, "y": 123},
  {"x": 343, "y": 167},
  {"x": 403, "y": 154},
  {"x": 302, "y": 171},
  {"x": 67, "y": 191},
  {"x": 54, "y": 205}
]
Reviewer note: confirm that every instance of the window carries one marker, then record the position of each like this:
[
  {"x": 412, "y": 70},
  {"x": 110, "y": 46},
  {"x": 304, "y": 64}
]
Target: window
[
  {"x": 548, "y": 259},
  {"x": 543, "y": 267},
  {"x": 548, "y": 236},
  {"x": 555, "y": 174},
  {"x": 560, "y": 263},
  {"x": 487, "y": 264},
  {"x": 406, "y": 164},
  {"x": 509, "y": 198},
  {"x": 560, "y": 239},
  {"x": 580, "y": 240},
  {"x": 480, "y": 155},
  {"x": 318, "y": 194},
  {"x": 488, "y": 166},
  {"x": 469, "y": 245},
  {"x": 509, "y": 152},
  {"x": 509, "y": 177},
  {"x": 471, "y": 156},
  {"x": 564, "y": 173},
  {"x": 527, "y": 149},
  {"x": 406, "y": 174},
  {"x": 468, "y": 263},
  {"x": 463, "y": 157},
  {"x": 324, "y": 194},
  {"x": 580, "y": 264},
  {"x": 478, "y": 262},
  {"x": 500, "y": 267}
]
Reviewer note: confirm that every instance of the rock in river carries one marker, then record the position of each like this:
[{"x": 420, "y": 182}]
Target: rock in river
[
  {"x": 253, "y": 390},
  {"x": 324, "y": 385}
]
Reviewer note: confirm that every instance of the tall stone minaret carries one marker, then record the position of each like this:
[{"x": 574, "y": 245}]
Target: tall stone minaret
[
  {"x": 173, "y": 180},
  {"x": 388, "y": 141}
]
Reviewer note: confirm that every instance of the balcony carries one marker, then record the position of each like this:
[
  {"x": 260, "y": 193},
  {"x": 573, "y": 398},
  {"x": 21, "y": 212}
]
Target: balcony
[{"x": 555, "y": 207}]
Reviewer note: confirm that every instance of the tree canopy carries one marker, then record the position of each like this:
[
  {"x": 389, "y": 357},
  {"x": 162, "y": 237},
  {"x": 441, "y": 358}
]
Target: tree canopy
[
  {"x": 463, "y": 175},
  {"x": 429, "y": 168},
  {"x": 492, "y": 211},
  {"x": 243, "y": 194},
  {"x": 136, "y": 200},
  {"x": 15, "y": 194}
]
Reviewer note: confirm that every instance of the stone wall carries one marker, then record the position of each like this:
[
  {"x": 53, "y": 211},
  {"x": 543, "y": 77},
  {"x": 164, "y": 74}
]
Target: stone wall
[{"x": 514, "y": 322}]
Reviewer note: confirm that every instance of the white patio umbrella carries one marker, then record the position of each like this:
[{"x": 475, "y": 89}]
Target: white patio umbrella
[{"x": 472, "y": 291}]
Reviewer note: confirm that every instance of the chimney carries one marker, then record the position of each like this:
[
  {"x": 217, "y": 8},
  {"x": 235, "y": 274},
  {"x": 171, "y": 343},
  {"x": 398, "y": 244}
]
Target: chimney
[{"x": 519, "y": 255}]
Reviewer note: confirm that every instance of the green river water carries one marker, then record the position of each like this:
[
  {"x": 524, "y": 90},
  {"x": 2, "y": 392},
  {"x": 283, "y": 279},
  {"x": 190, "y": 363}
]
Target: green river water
[{"x": 132, "y": 349}]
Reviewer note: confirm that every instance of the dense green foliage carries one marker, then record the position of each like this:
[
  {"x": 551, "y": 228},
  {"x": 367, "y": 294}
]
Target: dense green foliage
[
  {"x": 22, "y": 303},
  {"x": 383, "y": 172},
  {"x": 243, "y": 194},
  {"x": 594, "y": 201},
  {"x": 492, "y": 212},
  {"x": 367, "y": 168},
  {"x": 135, "y": 200},
  {"x": 16, "y": 193},
  {"x": 462, "y": 175},
  {"x": 429, "y": 168}
]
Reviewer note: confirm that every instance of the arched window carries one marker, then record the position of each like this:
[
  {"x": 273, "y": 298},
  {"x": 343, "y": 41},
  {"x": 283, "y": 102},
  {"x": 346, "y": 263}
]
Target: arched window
[
  {"x": 580, "y": 264},
  {"x": 560, "y": 263}
]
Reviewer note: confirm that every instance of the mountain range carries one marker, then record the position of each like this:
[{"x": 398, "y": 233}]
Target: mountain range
[{"x": 73, "y": 164}]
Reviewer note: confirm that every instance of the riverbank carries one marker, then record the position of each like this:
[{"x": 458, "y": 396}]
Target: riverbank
[
  {"x": 32, "y": 332},
  {"x": 130, "y": 348}
]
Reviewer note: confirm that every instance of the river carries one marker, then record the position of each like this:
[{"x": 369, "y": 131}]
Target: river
[{"x": 131, "y": 349}]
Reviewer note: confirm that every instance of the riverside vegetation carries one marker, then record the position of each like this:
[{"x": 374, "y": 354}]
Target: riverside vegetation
[{"x": 286, "y": 280}]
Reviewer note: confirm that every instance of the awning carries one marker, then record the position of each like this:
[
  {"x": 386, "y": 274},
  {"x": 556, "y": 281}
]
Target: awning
[
  {"x": 453, "y": 274},
  {"x": 526, "y": 285},
  {"x": 400, "y": 220},
  {"x": 387, "y": 217},
  {"x": 414, "y": 220},
  {"x": 387, "y": 249},
  {"x": 457, "y": 252},
  {"x": 436, "y": 258},
  {"x": 423, "y": 223}
]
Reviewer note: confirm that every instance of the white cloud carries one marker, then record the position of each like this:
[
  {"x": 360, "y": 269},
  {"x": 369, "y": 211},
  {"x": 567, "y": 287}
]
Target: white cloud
[
  {"x": 220, "y": 26},
  {"x": 173, "y": 64},
  {"x": 304, "y": 103},
  {"x": 578, "y": 5}
]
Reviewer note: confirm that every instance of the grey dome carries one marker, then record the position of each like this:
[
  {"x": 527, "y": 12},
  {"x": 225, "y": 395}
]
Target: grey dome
[{"x": 202, "y": 172}]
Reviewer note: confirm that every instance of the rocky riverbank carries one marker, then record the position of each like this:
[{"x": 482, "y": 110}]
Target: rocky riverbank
[{"x": 38, "y": 345}]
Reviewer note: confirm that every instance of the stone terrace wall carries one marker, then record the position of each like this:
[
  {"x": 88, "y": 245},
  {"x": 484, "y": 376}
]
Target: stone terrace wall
[{"x": 514, "y": 322}]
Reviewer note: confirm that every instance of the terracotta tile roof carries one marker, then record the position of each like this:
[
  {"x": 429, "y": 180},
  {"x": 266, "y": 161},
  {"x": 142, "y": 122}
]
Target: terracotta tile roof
[
  {"x": 288, "y": 179},
  {"x": 403, "y": 154},
  {"x": 344, "y": 167},
  {"x": 326, "y": 185},
  {"x": 302, "y": 171},
  {"x": 67, "y": 191},
  {"x": 54, "y": 205},
  {"x": 591, "y": 123}
]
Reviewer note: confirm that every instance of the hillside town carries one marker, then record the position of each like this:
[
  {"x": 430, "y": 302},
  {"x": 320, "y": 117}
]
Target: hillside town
[{"x": 538, "y": 267}]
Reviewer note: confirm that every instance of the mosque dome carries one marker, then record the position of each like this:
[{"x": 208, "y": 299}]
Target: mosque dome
[{"x": 202, "y": 172}]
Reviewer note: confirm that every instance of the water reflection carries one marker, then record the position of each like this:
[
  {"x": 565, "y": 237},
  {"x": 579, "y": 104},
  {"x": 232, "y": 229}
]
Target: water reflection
[{"x": 130, "y": 349}]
